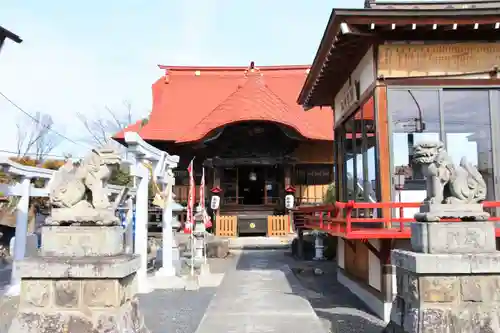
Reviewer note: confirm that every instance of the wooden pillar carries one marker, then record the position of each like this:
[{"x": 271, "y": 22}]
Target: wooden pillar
[
  {"x": 383, "y": 150},
  {"x": 340, "y": 194},
  {"x": 288, "y": 175},
  {"x": 387, "y": 270},
  {"x": 217, "y": 176}
]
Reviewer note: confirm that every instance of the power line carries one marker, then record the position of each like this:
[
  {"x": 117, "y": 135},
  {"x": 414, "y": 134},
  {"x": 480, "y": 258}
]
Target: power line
[
  {"x": 44, "y": 155},
  {"x": 38, "y": 121}
]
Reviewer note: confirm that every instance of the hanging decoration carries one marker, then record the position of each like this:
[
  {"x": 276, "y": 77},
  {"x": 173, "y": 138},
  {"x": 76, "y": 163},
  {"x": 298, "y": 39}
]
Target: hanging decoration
[
  {"x": 207, "y": 221},
  {"x": 188, "y": 227}
]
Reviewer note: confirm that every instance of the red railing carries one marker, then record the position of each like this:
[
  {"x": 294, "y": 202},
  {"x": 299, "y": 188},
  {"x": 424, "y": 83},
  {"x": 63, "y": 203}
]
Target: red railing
[{"x": 358, "y": 220}]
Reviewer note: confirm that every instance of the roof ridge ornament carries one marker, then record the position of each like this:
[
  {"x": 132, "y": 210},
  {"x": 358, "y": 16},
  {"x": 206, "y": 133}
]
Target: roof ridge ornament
[{"x": 252, "y": 69}]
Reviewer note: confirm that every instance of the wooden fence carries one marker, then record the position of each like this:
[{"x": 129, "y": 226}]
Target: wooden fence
[
  {"x": 278, "y": 225},
  {"x": 226, "y": 226}
]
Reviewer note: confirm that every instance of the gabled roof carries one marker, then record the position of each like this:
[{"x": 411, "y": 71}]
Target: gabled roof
[
  {"x": 190, "y": 102},
  {"x": 351, "y": 32}
]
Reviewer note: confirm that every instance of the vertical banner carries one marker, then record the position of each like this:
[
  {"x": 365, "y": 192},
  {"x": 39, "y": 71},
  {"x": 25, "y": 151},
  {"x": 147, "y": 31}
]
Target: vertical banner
[
  {"x": 188, "y": 227},
  {"x": 207, "y": 221}
]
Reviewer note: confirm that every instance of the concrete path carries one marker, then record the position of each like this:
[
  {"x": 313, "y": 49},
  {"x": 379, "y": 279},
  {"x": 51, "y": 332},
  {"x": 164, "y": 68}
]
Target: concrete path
[{"x": 260, "y": 294}]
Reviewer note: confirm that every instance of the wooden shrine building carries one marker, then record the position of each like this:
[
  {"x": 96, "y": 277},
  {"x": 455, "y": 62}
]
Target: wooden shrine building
[
  {"x": 244, "y": 126},
  {"x": 398, "y": 73}
]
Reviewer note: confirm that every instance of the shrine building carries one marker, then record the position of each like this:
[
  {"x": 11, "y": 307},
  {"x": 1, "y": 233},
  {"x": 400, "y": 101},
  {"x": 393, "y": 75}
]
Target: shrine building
[
  {"x": 397, "y": 74},
  {"x": 244, "y": 126}
]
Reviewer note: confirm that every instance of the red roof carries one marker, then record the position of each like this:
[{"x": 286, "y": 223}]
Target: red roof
[{"x": 190, "y": 102}]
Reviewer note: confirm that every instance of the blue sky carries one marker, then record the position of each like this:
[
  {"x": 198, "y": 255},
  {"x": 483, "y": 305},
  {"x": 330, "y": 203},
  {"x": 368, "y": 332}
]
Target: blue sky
[{"x": 82, "y": 56}]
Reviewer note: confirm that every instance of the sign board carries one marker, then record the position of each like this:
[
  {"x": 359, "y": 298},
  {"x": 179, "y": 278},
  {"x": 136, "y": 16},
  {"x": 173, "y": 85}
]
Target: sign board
[
  {"x": 350, "y": 97},
  {"x": 409, "y": 60}
]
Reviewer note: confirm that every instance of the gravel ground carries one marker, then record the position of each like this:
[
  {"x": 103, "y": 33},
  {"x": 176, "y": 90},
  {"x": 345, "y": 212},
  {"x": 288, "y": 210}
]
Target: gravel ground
[
  {"x": 180, "y": 311},
  {"x": 176, "y": 311},
  {"x": 340, "y": 310}
]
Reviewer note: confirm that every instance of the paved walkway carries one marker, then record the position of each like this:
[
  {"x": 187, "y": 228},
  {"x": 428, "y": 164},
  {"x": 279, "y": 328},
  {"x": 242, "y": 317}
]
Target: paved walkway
[{"x": 260, "y": 294}]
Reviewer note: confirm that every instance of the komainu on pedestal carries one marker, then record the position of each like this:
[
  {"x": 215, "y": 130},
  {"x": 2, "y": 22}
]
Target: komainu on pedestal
[
  {"x": 77, "y": 191},
  {"x": 82, "y": 281},
  {"x": 452, "y": 191},
  {"x": 449, "y": 281}
]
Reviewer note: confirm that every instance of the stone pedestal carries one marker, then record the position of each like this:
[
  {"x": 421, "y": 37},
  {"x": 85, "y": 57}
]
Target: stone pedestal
[
  {"x": 450, "y": 282},
  {"x": 83, "y": 282},
  {"x": 435, "y": 212},
  {"x": 453, "y": 237},
  {"x": 204, "y": 269}
]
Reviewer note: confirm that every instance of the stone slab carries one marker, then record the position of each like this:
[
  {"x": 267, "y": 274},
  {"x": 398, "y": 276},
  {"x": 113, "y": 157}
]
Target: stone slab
[
  {"x": 191, "y": 283},
  {"x": 434, "y": 212},
  {"x": 85, "y": 267},
  {"x": 261, "y": 323},
  {"x": 261, "y": 295},
  {"x": 204, "y": 269},
  {"x": 453, "y": 237},
  {"x": 82, "y": 241},
  {"x": 261, "y": 242},
  {"x": 457, "y": 263}
]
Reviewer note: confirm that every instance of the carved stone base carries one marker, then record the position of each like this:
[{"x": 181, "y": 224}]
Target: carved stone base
[
  {"x": 124, "y": 319},
  {"x": 58, "y": 240},
  {"x": 83, "y": 215},
  {"x": 86, "y": 292},
  {"x": 449, "y": 293},
  {"x": 466, "y": 212},
  {"x": 78, "y": 306},
  {"x": 453, "y": 237}
]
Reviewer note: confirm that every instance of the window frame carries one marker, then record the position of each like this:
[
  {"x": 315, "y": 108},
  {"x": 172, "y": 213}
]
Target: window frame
[{"x": 494, "y": 107}]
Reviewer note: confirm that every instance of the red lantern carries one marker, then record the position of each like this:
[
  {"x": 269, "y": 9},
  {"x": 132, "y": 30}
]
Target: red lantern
[{"x": 216, "y": 190}]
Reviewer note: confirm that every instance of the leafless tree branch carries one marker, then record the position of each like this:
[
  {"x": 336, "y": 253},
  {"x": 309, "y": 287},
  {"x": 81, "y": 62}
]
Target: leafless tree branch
[
  {"x": 36, "y": 136},
  {"x": 100, "y": 130}
]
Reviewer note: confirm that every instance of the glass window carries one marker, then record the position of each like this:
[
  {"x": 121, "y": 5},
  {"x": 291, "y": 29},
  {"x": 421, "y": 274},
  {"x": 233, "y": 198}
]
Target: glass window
[
  {"x": 339, "y": 157},
  {"x": 467, "y": 129},
  {"x": 414, "y": 118},
  {"x": 350, "y": 157},
  {"x": 371, "y": 179},
  {"x": 358, "y": 151}
]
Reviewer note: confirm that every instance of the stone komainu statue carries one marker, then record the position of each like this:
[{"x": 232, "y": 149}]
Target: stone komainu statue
[
  {"x": 447, "y": 183},
  {"x": 77, "y": 191}
]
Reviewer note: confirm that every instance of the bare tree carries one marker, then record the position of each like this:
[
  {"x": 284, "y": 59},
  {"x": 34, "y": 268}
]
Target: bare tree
[
  {"x": 101, "y": 129},
  {"x": 35, "y": 137}
]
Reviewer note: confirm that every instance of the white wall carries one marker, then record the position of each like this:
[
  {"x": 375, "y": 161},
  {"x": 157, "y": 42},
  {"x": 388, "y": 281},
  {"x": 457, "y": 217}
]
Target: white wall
[
  {"x": 408, "y": 196},
  {"x": 364, "y": 73},
  {"x": 340, "y": 253},
  {"x": 374, "y": 267}
]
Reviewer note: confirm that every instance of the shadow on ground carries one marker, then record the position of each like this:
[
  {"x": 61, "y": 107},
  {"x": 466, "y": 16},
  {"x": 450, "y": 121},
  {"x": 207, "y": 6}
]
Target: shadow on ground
[
  {"x": 180, "y": 311},
  {"x": 339, "y": 310}
]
